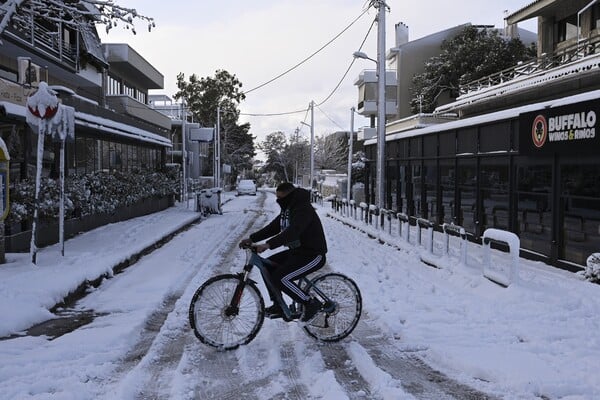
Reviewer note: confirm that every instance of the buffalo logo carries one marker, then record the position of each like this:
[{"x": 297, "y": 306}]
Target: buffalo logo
[{"x": 539, "y": 131}]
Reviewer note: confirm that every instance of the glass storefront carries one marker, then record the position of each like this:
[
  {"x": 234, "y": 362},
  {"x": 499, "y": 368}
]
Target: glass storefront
[
  {"x": 579, "y": 211},
  {"x": 534, "y": 205},
  {"x": 467, "y": 194},
  {"x": 535, "y": 174},
  {"x": 494, "y": 183}
]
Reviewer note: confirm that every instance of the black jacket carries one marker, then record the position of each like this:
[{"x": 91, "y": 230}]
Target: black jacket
[{"x": 297, "y": 226}]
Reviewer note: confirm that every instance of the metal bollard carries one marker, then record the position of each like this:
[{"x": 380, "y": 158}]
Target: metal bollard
[
  {"x": 423, "y": 223},
  {"x": 459, "y": 231},
  {"x": 403, "y": 219}
]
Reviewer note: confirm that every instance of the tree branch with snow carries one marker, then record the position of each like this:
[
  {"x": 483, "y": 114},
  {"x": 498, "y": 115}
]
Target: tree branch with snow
[{"x": 71, "y": 12}]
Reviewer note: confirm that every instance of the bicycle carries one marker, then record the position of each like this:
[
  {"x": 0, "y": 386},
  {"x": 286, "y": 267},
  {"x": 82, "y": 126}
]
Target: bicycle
[{"x": 228, "y": 310}]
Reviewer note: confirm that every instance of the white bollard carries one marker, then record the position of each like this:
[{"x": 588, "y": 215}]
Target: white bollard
[{"x": 490, "y": 235}]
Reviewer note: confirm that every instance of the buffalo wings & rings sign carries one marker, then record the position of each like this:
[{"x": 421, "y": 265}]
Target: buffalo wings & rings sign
[{"x": 571, "y": 129}]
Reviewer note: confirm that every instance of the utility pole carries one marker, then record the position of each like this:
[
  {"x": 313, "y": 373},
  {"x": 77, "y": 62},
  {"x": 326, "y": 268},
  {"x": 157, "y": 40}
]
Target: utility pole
[
  {"x": 296, "y": 163},
  {"x": 350, "y": 140},
  {"x": 380, "y": 4},
  {"x": 184, "y": 151},
  {"x": 312, "y": 143},
  {"x": 218, "y": 149}
]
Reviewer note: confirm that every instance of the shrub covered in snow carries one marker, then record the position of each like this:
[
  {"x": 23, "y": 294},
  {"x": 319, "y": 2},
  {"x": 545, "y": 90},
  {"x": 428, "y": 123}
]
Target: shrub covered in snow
[
  {"x": 592, "y": 270},
  {"x": 95, "y": 193}
]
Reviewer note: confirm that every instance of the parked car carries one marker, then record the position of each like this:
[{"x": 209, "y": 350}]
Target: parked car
[{"x": 246, "y": 186}]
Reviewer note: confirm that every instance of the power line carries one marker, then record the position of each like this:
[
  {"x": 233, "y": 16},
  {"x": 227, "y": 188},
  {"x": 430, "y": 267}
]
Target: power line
[
  {"x": 332, "y": 92},
  {"x": 329, "y": 118},
  {"x": 310, "y": 56},
  {"x": 349, "y": 66}
]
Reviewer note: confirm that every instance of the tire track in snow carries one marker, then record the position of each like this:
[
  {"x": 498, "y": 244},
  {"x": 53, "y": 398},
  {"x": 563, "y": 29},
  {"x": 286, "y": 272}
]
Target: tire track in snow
[
  {"x": 404, "y": 365},
  {"x": 160, "y": 348}
]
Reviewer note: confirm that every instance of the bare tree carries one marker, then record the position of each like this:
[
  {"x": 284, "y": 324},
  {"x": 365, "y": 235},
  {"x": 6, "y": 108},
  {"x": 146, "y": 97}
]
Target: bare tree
[
  {"x": 331, "y": 152},
  {"x": 70, "y": 12}
]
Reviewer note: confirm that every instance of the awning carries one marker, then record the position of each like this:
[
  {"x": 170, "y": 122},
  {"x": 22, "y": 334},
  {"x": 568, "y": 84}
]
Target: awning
[
  {"x": 12, "y": 109},
  {"x": 94, "y": 122}
]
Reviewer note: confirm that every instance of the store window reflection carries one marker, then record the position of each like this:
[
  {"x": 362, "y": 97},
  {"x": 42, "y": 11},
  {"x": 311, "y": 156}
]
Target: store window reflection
[
  {"x": 534, "y": 188},
  {"x": 580, "y": 211}
]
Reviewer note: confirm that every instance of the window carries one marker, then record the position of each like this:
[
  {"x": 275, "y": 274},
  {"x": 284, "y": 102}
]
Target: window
[
  {"x": 447, "y": 181},
  {"x": 467, "y": 194},
  {"x": 580, "y": 202},
  {"x": 495, "y": 137},
  {"x": 430, "y": 145},
  {"x": 567, "y": 28},
  {"x": 494, "y": 182},
  {"x": 467, "y": 140},
  {"x": 430, "y": 178},
  {"x": 447, "y": 143},
  {"x": 415, "y": 147},
  {"x": 534, "y": 207},
  {"x": 596, "y": 16}
]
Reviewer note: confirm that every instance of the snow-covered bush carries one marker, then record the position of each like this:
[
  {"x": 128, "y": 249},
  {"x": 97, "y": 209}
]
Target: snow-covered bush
[
  {"x": 95, "y": 193},
  {"x": 592, "y": 270}
]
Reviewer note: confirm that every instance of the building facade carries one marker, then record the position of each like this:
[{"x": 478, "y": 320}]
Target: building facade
[
  {"x": 106, "y": 84},
  {"x": 115, "y": 128},
  {"x": 523, "y": 155}
]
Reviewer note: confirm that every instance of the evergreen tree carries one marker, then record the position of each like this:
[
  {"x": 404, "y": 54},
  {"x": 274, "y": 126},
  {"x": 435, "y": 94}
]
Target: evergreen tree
[
  {"x": 474, "y": 53},
  {"x": 223, "y": 91}
]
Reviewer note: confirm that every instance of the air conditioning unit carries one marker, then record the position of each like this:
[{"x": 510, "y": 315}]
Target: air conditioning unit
[{"x": 29, "y": 73}]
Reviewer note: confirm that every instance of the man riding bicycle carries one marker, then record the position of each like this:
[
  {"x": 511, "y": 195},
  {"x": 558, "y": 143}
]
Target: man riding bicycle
[{"x": 299, "y": 228}]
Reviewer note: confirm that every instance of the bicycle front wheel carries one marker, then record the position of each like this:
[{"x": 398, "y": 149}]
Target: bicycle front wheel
[
  {"x": 341, "y": 314},
  {"x": 221, "y": 322}
]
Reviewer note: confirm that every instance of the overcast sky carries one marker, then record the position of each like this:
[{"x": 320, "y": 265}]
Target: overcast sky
[{"x": 259, "y": 40}]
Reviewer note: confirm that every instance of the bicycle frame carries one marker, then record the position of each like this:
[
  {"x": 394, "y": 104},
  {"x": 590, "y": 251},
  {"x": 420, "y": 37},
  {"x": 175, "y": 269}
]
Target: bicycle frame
[{"x": 253, "y": 259}]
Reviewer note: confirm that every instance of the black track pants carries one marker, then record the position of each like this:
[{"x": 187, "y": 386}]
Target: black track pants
[{"x": 290, "y": 266}]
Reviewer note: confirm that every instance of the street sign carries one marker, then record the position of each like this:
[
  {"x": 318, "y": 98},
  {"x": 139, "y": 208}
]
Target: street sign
[{"x": 202, "y": 134}]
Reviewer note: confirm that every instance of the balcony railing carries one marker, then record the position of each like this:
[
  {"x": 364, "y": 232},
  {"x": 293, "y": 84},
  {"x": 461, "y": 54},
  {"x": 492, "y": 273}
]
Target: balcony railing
[
  {"x": 568, "y": 54},
  {"x": 46, "y": 41}
]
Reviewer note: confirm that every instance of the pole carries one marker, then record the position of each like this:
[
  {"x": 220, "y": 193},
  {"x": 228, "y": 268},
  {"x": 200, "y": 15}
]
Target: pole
[
  {"x": 381, "y": 104},
  {"x": 215, "y": 156},
  {"x": 61, "y": 212},
  {"x": 350, "y": 140},
  {"x": 218, "y": 147},
  {"x": 312, "y": 143},
  {"x": 38, "y": 178},
  {"x": 184, "y": 152}
]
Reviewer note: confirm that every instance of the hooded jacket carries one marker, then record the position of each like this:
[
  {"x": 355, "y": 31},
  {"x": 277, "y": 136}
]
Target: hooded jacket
[{"x": 297, "y": 226}]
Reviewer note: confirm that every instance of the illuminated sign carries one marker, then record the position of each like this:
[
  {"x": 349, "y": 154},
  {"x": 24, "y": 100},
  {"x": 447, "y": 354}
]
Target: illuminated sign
[{"x": 567, "y": 129}]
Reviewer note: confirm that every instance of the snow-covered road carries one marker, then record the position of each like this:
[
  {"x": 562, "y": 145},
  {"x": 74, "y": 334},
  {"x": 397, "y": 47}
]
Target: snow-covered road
[{"x": 490, "y": 342}]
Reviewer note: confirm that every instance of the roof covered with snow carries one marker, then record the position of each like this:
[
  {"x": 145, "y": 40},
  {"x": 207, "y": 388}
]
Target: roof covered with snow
[{"x": 491, "y": 117}]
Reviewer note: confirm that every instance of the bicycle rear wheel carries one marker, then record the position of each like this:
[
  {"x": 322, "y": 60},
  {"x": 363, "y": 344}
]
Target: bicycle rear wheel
[
  {"x": 339, "y": 318},
  {"x": 216, "y": 323}
]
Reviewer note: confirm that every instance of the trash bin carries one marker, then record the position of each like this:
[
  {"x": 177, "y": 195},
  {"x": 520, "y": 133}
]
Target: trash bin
[{"x": 208, "y": 201}]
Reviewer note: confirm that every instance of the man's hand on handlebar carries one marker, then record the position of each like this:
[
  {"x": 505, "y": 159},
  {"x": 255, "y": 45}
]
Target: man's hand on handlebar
[{"x": 245, "y": 243}]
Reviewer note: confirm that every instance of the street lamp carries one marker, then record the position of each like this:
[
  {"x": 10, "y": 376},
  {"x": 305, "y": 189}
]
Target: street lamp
[{"x": 360, "y": 54}]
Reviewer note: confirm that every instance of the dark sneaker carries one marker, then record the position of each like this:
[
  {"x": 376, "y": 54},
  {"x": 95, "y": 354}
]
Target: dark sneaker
[
  {"x": 273, "y": 312},
  {"x": 311, "y": 309}
]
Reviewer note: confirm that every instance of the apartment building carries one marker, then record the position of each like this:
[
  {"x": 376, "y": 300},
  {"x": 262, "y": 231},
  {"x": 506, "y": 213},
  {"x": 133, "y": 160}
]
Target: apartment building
[
  {"x": 522, "y": 156},
  {"x": 107, "y": 85}
]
